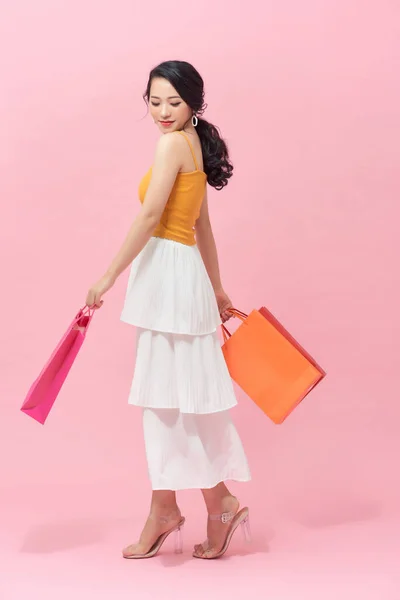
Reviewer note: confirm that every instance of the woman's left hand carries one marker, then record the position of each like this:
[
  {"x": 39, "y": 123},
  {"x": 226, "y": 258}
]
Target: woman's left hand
[
  {"x": 224, "y": 304},
  {"x": 97, "y": 290}
]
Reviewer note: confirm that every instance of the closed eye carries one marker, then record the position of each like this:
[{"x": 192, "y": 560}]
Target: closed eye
[{"x": 177, "y": 104}]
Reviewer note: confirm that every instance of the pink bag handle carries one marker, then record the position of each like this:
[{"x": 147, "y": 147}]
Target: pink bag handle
[{"x": 85, "y": 311}]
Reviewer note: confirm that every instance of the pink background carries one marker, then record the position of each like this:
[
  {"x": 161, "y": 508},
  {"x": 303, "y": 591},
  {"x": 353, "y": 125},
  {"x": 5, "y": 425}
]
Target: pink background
[{"x": 307, "y": 95}]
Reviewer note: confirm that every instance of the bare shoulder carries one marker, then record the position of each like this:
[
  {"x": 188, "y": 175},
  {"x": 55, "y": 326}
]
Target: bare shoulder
[
  {"x": 169, "y": 142},
  {"x": 169, "y": 150}
]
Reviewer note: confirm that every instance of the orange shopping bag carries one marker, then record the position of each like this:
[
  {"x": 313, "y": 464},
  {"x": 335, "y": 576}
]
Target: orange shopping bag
[{"x": 269, "y": 364}]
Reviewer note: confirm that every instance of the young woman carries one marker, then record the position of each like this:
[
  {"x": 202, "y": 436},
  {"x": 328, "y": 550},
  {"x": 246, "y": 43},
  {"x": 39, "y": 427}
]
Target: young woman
[{"x": 176, "y": 301}]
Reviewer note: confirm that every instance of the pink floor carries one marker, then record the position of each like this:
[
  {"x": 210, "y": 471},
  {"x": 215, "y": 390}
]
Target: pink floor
[{"x": 68, "y": 546}]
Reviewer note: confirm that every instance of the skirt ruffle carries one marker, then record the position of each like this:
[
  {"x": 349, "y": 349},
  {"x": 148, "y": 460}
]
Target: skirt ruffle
[
  {"x": 192, "y": 451},
  {"x": 169, "y": 290},
  {"x": 181, "y": 371}
]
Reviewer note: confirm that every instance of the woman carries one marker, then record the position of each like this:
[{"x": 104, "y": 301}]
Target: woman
[{"x": 176, "y": 301}]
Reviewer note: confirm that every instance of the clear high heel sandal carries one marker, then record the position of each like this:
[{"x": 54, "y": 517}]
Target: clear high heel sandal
[
  {"x": 240, "y": 518},
  {"x": 178, "y": 543}
]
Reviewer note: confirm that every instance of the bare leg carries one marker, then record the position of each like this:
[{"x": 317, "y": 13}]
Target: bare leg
[
  {"x": 218, "y": 500},
  {"x": 164, "y": 514}
]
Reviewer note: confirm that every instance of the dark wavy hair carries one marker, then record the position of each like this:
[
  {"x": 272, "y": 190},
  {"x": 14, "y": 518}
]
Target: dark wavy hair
[{"x": 190, "y": 86}]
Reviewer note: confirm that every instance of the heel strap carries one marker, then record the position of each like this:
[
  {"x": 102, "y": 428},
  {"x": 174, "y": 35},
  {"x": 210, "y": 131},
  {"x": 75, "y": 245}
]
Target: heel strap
[{"x": 225, "y": 517}]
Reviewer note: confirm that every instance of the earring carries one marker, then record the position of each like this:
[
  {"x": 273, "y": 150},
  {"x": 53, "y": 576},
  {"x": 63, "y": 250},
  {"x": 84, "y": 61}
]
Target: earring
[{"x": 194, "y": 121}]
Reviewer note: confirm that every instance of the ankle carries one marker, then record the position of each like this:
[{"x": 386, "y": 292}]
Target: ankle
[
  {"x": 165, "y": 512},
  {"x": 222, "y": 504}
]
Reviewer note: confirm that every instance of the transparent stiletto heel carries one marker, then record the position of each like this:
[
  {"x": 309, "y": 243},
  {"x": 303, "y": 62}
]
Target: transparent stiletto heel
[
  {"x": 245, "y": 525},
  {"x": 178, "y": 535}
]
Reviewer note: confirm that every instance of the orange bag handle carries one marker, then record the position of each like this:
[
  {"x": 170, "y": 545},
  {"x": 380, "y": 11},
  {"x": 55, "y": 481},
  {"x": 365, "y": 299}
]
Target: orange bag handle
[{"x": 236, "y": 313}]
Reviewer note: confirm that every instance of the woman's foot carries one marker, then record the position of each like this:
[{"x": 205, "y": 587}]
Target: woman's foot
[
  {"x": 158, "y": 522},
  {"x": 217, "y": 530}
]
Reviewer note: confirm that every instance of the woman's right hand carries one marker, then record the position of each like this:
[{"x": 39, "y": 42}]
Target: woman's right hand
[
  {"x": 97, "y": 290},
  {"x": 224, "y": 302}
]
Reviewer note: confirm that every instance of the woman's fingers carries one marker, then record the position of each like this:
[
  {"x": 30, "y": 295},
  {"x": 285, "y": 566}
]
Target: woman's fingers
[
  {"x": 98, "y": 303},
  {"x": 98, "y": 290},
  {"x": 226, "y": 316},
  {"x": 93, "y": 299}
]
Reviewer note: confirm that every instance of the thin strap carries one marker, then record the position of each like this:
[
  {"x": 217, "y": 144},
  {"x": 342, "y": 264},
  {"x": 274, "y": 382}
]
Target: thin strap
[{"x": 191, "y": 149}]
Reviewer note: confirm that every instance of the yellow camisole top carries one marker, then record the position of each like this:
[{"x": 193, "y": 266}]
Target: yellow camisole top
[{"x": 183, "y": 205}]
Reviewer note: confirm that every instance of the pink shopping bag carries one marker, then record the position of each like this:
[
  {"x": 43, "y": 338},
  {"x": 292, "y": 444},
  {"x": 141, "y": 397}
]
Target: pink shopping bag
[{"x": 45, "y": 388}]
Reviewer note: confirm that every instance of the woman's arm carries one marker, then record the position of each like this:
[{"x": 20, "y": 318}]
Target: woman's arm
[
  {"x": 166, "y": 165},
  {"x": 208, "y": 250},
  {"x": 206, "y": 243}
]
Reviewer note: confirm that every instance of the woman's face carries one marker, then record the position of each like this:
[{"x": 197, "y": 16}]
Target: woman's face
[{"x": 167, "y": 108}]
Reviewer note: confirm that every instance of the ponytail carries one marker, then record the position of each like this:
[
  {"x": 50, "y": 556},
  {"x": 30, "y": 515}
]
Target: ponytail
[{"x": 217, "y": 165}]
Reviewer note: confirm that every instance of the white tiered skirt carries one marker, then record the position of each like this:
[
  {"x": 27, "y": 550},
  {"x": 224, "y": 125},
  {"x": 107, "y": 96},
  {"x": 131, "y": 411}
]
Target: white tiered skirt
[{"x": 180, "y": 379}]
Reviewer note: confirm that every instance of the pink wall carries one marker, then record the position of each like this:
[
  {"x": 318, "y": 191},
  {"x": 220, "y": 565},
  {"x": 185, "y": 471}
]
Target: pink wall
[{"x": 307, "y": 95}]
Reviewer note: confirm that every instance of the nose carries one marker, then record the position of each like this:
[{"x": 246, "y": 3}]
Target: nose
[{"x": 164, "y": 112}]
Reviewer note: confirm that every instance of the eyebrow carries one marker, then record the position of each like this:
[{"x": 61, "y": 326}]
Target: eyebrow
[{"x": 169, "y": 97}]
